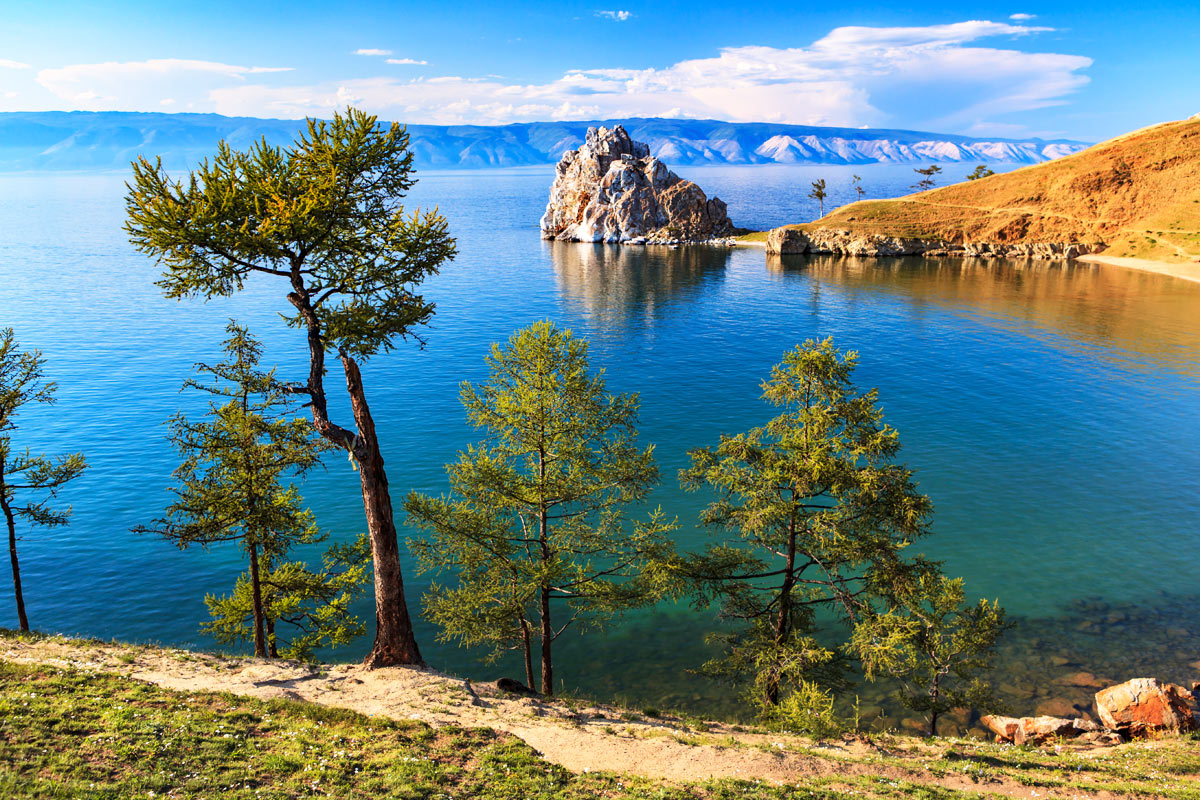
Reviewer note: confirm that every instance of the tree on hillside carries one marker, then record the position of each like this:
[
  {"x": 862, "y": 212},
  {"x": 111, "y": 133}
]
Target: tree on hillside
[
  {"x": 819, "y": 194},
  {"x": 858, "y": 188},
  {"x": 325, "y": 219},
  {"x": 535, "y": 529},
  {"x": 28, "y": 483},
  {"x": 934, "y": 645},
  {"x": 813, "y": 516},
  {"x": 927, "y": 180},
  {"x": 234, "y": 461},
  {"x": 981, "y": 171}
]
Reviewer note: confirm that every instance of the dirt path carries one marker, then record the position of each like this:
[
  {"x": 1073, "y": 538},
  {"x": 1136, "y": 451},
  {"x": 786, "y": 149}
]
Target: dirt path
[{"x": 578, "y": 737}]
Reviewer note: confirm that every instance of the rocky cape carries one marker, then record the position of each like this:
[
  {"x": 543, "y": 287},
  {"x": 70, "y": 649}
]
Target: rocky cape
[
  {"x": 835, "y": 241},
  {"x": 612, "y": 190}
]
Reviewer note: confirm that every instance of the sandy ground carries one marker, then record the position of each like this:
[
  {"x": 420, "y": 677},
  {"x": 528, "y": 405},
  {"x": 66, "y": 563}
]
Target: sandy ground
[
  {"x": 1188, "y": 270},
  {"x": 578, "y": 737}
]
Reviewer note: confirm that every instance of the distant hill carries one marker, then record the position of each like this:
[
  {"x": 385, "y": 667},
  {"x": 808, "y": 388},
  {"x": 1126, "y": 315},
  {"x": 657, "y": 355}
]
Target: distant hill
[
  {"x": 82, "y": 140},
  {"x": 1137, "y": 194}
]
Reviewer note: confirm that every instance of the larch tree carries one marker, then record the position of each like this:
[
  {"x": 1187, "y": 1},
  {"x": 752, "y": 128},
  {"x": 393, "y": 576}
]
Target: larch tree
[
  {"x": 858, "y": 187},
  {"x": 933, "y": 643},
  {"x": 536, "y": 530},
  {"x": 325, "y": 219},
  {"x": 928, "y": 177},
  {"x": 303, "y": 608},
  {"x": 234, "y": 462},
  {"x": 819, "y": 194},
  {"x": 28, "y": 483},
  {"x": 817, "y": 518}
]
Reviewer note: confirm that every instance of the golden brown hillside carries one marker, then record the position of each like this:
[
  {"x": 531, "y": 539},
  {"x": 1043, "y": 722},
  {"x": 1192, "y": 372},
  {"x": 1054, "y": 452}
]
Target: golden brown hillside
[{"x": 1138, "y": 194}]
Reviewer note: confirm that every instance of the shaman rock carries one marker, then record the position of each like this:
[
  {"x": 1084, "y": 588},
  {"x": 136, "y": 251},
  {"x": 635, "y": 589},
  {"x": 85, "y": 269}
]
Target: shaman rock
[{"x": 612, "y": 190}]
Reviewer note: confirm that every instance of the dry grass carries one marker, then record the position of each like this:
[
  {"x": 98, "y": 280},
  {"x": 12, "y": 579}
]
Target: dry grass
[{"x": 1138, "y": 194}]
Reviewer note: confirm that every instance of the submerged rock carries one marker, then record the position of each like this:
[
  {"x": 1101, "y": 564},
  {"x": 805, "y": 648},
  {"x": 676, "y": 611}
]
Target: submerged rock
[
  {"x": 612, "y": 190},
  {"x": 1143, "y": 705}
]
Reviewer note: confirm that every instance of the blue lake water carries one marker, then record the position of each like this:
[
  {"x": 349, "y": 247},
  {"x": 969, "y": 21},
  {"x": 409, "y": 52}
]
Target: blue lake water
[{"x": 1051, "y": 411}]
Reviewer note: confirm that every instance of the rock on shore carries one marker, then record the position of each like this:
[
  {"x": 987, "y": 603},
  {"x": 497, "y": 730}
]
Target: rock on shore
[
  {"x": 832, "y": 241},
  {"x": 612, "y": 190}
]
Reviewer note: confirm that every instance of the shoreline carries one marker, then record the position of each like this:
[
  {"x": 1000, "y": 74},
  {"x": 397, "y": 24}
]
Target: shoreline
[{"x": 1187, "y": 270}]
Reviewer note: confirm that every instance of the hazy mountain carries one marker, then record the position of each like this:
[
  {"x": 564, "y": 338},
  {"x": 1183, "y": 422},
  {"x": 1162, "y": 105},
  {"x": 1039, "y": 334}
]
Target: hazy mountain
[{"x": 110, "y": 140}]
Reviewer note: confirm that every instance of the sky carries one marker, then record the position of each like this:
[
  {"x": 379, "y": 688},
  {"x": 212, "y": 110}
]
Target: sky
[{"x": 1016, "y": 69}]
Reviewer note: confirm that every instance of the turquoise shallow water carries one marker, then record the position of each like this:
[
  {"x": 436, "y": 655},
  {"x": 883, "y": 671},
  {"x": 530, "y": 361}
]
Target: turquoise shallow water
[{"x": 1050, "y": 411}]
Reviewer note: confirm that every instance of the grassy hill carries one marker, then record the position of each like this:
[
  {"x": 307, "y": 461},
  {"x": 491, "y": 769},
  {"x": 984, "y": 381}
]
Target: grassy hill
[
  {"x": 1137, "y": 194},
  {"x": 86, "y": 719}
]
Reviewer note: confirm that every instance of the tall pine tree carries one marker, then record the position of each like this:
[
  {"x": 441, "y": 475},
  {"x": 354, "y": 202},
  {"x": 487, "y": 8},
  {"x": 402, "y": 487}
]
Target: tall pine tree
[
  {"x": 536, "y": 531},
  {"x": 234, "y": 461},
  {"x": 813, "y": 516},
  {"x": 28, "y": 483}
]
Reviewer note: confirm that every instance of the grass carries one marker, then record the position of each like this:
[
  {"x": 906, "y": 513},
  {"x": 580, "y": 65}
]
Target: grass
[
  {"x": 79, "y": 734},
  {"x": 1137, "y": 195}
]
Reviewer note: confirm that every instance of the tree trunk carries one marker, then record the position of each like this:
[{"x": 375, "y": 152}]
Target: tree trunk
[
  {"x": 783, "y": 621},
  {"x": 272, "y": 645},
  {"x": 12, "y": 556},
  {"x": 547, "y": 638},
  {"x": 526, "y": 640},
  {"x": 260, "y": 637},
  {"x": 395, "y": 642}
]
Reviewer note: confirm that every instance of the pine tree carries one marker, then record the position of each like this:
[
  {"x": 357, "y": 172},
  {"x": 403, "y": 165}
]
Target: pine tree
[
  {"x": 325, "y": 219},
  {"x": 313, "y": 606},
  {"x": 28, "y": 483},
  {"x": 819, "y": 517},
  {"x": 934, "y": 645},
  {"x": 230, "y": 482},
  {"x": 927, "y": 177},
  {"x": 857, "y": 181},
  {"x": 536, "y": 529},
  {"x": 981, "y": 171},
  {"x": 819, "y": 194}
]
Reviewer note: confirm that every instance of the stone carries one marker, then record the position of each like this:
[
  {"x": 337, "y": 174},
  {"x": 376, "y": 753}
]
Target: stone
[
  {"x": 1145, "y": 706},
  {"x": 1055, "y": 707},
  {"x": 612, "y": 190},
  {"x": 1037, "y": 730},
  {"x": 513, "y": 686},
  {"x": 831, "y": 241},
  {"x": 1005, "y": 728},
  {"x": 1085, "y": 680}
]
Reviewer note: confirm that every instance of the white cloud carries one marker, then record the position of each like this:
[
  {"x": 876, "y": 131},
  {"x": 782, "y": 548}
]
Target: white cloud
[
  {"x": 372, "y": 51},
  {"x": 406, "y": 61},
  {"x": 10, "y": 64},
  {"x": 938, "y": 77},
  {"x": 129, "y": 85},
  {"x": 1022, "y": 17},
  {"x": 618, "y": 16}
]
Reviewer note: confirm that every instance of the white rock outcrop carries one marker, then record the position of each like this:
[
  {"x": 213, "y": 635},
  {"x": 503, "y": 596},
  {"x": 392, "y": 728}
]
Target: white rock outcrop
[{"x": 612, "y": 190}]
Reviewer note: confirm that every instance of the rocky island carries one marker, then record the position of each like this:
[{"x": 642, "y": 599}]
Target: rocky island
[{"x": 612, "y": 190}]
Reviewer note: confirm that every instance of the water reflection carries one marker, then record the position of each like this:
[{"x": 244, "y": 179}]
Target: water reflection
[
  {"x": 618, "y": 284},
  {"x": 1101, "y": 307}
]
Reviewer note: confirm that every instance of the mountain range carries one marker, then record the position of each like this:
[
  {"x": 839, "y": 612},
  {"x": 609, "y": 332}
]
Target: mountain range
[{"x": 109, "y": 140}]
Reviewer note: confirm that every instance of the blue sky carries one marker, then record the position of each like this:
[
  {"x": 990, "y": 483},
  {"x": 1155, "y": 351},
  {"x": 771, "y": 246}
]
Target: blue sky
[{"x": 1077, "y": 70}]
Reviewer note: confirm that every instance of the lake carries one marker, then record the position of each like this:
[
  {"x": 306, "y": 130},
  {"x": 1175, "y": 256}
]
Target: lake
[{"x": 1051, "y": 412}]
